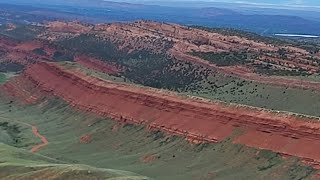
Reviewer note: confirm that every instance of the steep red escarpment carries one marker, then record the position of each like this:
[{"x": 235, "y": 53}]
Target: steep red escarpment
[
  {"x": 23, "y": 88},
  {"x": 195, "y": 119}
]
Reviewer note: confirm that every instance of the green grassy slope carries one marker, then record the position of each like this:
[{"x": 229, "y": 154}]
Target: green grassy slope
[
  {"x": 233, "y": 90},
  {"x": 20, "y": 164},
  {"x": 2, "y": 78},
  {"x": 132, "y": 148}
]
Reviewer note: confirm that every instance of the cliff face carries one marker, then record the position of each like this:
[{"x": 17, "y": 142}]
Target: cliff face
[{"x": 195, "y": 119}]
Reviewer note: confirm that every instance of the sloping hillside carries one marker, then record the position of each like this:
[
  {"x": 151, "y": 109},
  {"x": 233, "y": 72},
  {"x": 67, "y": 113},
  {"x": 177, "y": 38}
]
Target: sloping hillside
[{"x": 158, "y": 99}]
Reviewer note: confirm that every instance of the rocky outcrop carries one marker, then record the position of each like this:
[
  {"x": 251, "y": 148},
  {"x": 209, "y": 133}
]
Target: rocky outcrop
[{"x": 196, "y": 119}]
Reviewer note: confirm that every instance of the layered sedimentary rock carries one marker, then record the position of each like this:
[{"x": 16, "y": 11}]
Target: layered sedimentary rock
[{"x": 196, "y": 119}]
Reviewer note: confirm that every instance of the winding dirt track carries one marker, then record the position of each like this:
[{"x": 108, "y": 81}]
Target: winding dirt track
[
  {"x": 43, "y": 139},
  {"x": 35, "y": 131}
]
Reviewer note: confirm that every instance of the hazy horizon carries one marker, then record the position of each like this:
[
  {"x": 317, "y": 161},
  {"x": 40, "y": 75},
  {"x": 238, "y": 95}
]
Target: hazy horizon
[
  {"x": 264, "y": 2},
  {"x": 301, "y": 5}
]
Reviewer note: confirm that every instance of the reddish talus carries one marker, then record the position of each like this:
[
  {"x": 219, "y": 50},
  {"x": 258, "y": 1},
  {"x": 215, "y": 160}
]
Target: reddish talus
[{"x": 195, "y": 119}]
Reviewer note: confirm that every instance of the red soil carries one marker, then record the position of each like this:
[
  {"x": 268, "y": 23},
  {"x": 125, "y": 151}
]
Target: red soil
[
  {"x": 97, "y": 65},
  {"x": 86, "y": 139},
  {"x": 7, "y": 42},
  {"x": 20, "y": 54},
  {"x": 148, "y": 159},
  {"x": 29, "y": 46},
  {"x": 195, "y": 119},
  {"x": 43, "y": 139}
]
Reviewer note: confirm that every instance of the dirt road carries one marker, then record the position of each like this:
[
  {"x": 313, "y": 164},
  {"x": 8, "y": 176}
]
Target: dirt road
[
  {"x": 35, "y": 132},
  {"x": 43, "y": 139}
]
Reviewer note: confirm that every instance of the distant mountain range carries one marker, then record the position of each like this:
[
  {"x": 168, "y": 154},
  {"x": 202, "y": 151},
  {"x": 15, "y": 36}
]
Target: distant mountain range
[{"x": 266, "y": 22}]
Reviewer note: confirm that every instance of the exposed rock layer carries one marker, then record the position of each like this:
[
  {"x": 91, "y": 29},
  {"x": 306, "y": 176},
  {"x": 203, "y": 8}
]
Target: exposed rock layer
[{"x": 193, "y": 118}]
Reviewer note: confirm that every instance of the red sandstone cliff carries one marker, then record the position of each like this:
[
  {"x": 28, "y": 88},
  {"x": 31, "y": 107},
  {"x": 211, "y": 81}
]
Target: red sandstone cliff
[{"x": 195, "y": 119}]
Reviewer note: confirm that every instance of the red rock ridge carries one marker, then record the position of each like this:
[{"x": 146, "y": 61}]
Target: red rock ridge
[{"x": 195, "y": 119}]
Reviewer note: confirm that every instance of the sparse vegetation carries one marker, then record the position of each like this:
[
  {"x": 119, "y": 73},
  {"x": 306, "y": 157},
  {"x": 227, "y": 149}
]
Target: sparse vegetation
[
  {"x": 268, "y": 70},
  {"x": 62, "y": 56},
  {"x": 311, "y": 46},
  {"x": 22, "y": 32},
  {"x": 12, "y": 131},
  {"x": 244, "y": 34},
  {"x": 272, "y": 159},
  {"x": 160, "y": 72},
  {"x": 2, "y": 78},
  {"x": 10, "y": 67},
  {"x": 226, "y": 58},
  {"x": 39, "y": 51},
  {"x": 91, "y": 45},
  {"x": 142, "y": 67}
]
